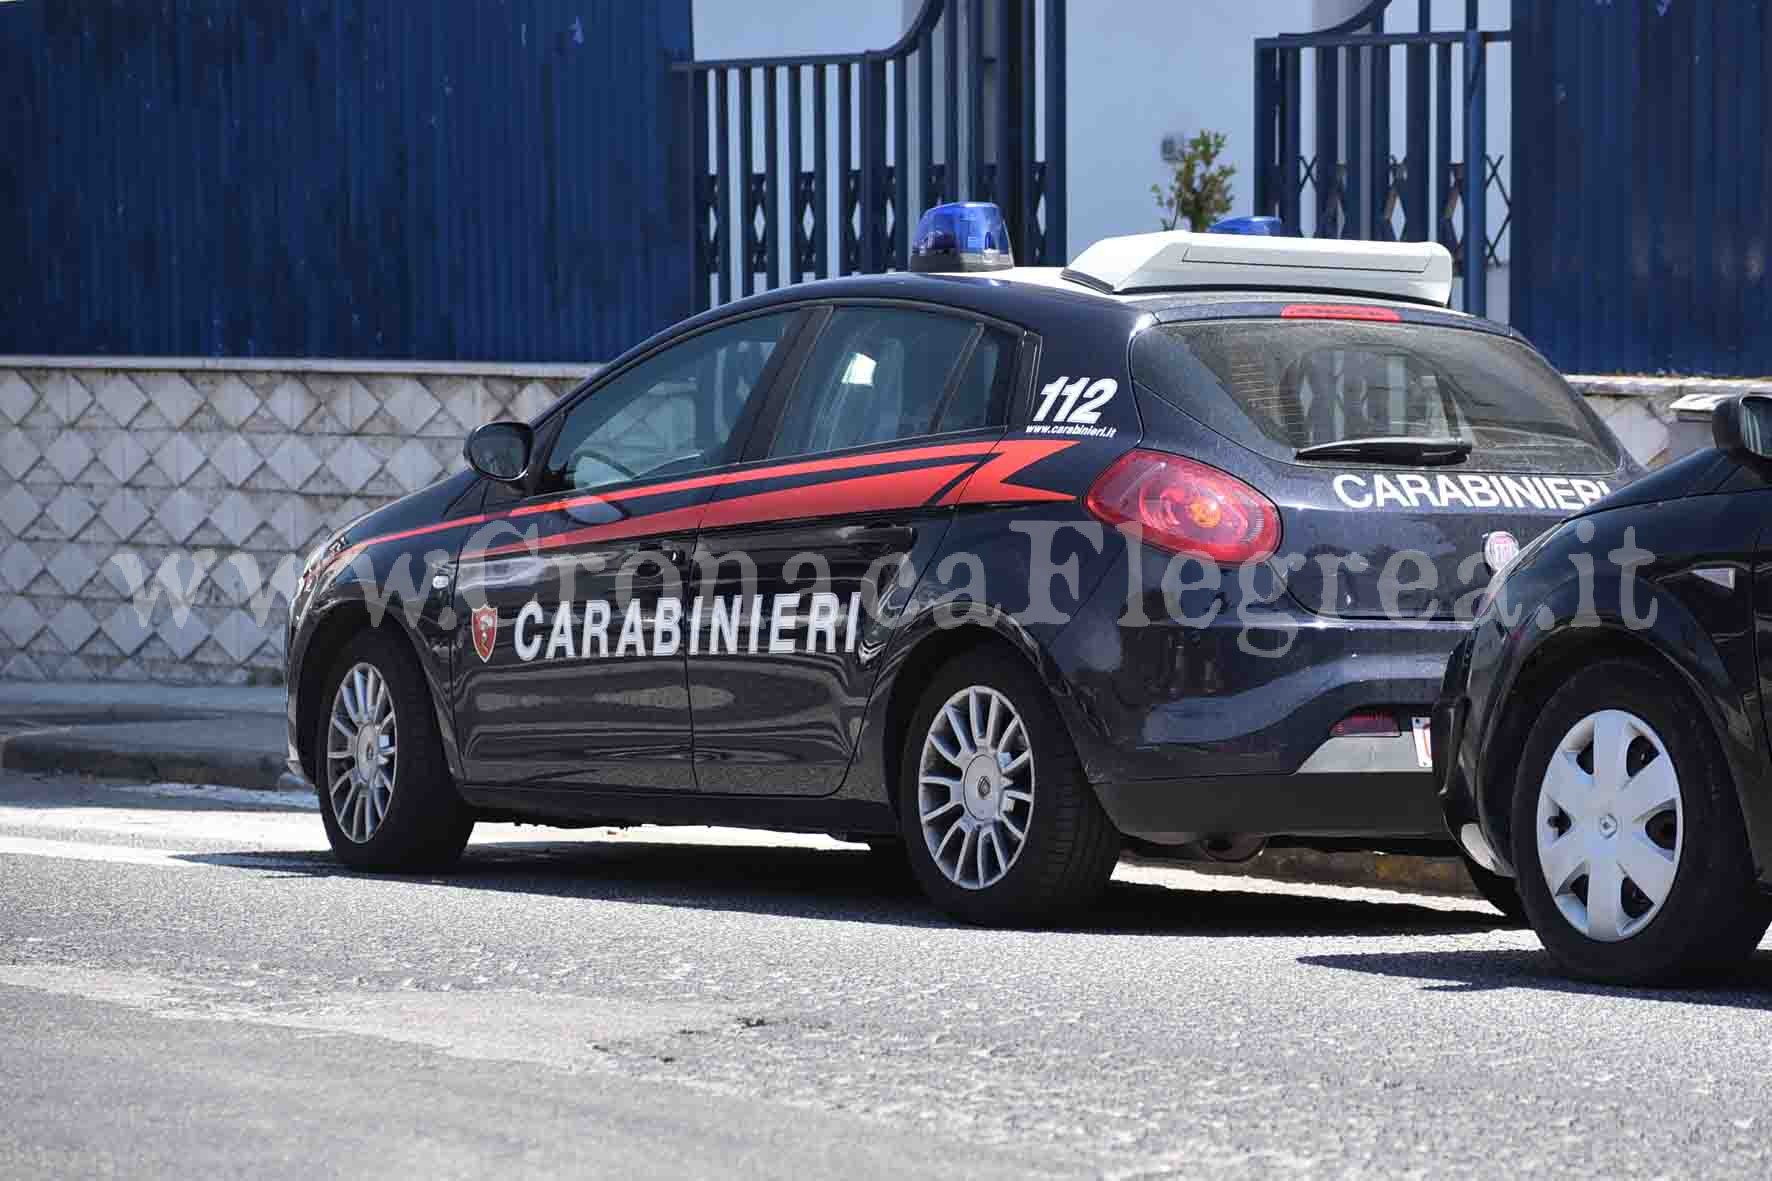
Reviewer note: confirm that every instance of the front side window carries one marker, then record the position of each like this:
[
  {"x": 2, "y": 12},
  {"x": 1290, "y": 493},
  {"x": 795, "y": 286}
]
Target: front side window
[
  {"x": 672, "y": 413},
  {"x": 880, "y": 374}
]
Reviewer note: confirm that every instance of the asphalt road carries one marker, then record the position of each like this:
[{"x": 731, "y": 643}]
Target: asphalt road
[{"x": 188, "y": 986}]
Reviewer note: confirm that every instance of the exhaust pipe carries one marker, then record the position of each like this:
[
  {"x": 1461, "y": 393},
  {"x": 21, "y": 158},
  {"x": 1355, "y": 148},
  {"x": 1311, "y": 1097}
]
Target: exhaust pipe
[{"x": 1226, "y": 850}]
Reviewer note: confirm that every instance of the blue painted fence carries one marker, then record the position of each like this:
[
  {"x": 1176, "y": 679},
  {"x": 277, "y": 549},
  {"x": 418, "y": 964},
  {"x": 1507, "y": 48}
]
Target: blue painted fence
[
  {"x": 361, "y": 178},
  {"x": 1641, "y": 213},
  {"x": 957, "y": 108}
]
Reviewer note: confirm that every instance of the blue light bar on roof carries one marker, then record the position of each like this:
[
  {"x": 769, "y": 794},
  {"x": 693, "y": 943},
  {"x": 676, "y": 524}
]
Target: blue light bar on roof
[
  {"x": 961, "y": 236},
  {"x": 1271, "y": 227}
]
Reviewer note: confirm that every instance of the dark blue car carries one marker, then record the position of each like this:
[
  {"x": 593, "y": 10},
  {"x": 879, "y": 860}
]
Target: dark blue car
[{"x": 1001, "y": 569}]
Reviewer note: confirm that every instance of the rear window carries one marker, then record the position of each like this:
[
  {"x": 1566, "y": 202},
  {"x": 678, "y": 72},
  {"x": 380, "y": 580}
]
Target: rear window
[{"x": 1278, "y": 386}]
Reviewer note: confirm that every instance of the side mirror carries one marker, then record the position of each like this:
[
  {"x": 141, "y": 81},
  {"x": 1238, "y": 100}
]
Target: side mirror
[
  {"x": 1742, "y": 426},
  {"x": 500, "y": 450}
]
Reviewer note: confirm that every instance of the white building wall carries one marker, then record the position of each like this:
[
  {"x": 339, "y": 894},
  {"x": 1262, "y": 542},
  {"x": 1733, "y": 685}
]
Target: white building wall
[
  {"x": 1142, "y": 69},
  {"x": 770, "y": 28}
]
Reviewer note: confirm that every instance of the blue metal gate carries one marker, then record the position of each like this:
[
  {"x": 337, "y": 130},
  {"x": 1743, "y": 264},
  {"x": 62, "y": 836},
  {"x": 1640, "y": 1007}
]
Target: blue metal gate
[
  {"x": 1644, "y": 227},
  {"x": 356, "y": 178},
  {"x": 1345, "y": 180},
  {"x": 951, "y": 111}
]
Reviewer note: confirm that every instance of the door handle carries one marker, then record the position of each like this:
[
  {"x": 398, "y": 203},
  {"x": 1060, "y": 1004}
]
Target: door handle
[
  {"x": 884, "y": 539},
  {"x": 674, "y": 554}
]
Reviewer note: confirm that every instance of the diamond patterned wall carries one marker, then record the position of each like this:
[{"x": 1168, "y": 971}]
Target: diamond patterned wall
[{"x": 202, "y": 490}]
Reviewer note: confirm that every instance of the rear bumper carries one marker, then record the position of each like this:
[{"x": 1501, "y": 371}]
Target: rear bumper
[{"x": 1220, "y": 722}]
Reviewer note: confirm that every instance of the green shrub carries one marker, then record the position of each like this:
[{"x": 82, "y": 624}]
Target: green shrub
[{"x": 1200, "y": 191}]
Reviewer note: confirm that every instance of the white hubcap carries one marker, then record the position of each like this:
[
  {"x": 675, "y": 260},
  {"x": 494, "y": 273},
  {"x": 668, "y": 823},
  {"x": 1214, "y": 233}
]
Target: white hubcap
[
  {"x": 361, "y": 752},
  {"x": 975, "y": 787},
  {"x": 1609, "y": 825}
]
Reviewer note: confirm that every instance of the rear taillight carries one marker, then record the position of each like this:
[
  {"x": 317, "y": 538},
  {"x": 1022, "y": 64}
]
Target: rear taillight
[{"x": 1187, "y": 507}]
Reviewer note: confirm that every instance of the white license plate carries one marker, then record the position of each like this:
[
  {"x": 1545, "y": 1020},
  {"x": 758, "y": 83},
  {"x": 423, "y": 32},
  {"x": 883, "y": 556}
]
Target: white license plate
[{"x": 1424, "y": 742}]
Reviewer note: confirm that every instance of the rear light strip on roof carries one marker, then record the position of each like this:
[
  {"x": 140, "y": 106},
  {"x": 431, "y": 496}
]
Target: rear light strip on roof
[{"x": 1339, "y": 311}]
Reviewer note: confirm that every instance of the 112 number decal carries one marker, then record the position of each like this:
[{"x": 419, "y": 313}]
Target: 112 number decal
[{"x": 1078, "y": 401}]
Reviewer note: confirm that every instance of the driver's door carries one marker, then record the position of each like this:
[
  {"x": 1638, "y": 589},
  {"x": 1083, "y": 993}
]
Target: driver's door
[{"x": 570, "y": 657}]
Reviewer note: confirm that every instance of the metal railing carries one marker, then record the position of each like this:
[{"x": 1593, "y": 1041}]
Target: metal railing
[
  {"x": 1358, "y": 187},
  {"x": 950, "y": 112}
]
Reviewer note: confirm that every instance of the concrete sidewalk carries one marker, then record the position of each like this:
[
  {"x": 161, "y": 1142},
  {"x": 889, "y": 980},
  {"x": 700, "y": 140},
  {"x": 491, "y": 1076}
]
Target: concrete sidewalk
[{"x": 233, "y": 737}]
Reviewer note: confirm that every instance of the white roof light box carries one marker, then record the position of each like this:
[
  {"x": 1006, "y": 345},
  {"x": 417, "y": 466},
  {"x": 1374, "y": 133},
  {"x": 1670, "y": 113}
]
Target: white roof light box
[{"x": 1420, "y": 271}]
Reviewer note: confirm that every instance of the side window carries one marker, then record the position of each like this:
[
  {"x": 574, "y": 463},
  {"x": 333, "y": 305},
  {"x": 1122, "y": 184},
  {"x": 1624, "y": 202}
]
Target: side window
[
  {"x": 978, "y": 400},
  {"x": 879, "y": 374},
  {"x": 670, "y": 414}
]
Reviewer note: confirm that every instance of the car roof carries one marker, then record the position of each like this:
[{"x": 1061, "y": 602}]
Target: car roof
[{"x": 1044, "y": 299}]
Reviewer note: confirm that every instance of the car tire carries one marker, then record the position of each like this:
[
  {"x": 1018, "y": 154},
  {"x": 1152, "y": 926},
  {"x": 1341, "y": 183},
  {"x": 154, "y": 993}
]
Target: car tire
[
  {"x": 389, "y": 803},
  {"x": 970, "y": 781},
  {"x": 1697, "y": 914},
  {"x": 1503, "y": 893}
]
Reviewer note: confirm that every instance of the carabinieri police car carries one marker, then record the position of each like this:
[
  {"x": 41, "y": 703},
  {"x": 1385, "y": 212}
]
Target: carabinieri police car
[{"x": 1007, "y": 568}]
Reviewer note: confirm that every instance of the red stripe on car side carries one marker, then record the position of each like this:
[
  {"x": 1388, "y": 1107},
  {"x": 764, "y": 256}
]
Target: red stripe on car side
[
  {"x": 857, "y": 494},
  {"x": 775, "y": 471},
  {"x": 456, "y": 523},
  {"x": 988, "y": 484}
]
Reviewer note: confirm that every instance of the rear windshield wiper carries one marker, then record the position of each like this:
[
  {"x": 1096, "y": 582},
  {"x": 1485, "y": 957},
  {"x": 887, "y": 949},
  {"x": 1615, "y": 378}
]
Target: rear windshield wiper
[{"x": 1392, "y": 449}]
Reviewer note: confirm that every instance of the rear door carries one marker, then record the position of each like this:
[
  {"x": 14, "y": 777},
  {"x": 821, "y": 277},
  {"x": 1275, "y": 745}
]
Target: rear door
[
  {"x": 894, "y": 407},
  {"x": 1408, "y": 460}
]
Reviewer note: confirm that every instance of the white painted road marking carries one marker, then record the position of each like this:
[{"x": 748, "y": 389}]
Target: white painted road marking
[
  {"x": 135, "y": 855},
  {"x": 82, "y": 851}
]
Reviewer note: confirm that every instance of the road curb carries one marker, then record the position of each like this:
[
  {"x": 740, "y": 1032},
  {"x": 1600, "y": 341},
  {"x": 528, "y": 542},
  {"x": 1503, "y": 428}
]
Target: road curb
[
  {"x": 1383, "y": 871},
  {"x": 64, "y": 752}
]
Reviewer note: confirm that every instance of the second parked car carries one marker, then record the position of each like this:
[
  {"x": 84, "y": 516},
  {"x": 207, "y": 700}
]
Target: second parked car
[{"x": 1602, "y": 733}]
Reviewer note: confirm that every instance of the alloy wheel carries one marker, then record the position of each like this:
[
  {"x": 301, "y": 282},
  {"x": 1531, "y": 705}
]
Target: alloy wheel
[
  {"x": 975, "y": 787},
  {"x": 361, "y": 752}
]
